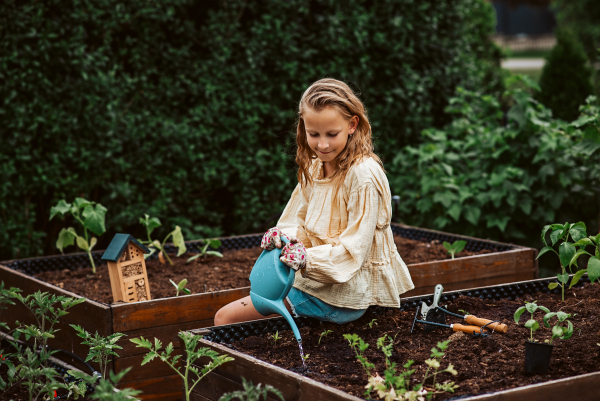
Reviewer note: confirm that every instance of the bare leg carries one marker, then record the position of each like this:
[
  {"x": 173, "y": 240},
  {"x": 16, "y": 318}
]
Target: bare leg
[{"x": 241, "y": 310}]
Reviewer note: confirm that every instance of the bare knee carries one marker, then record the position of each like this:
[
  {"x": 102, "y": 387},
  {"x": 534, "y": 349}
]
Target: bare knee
[{"x": 221, "y": 317}]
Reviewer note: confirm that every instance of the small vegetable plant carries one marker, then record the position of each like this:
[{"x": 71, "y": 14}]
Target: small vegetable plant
[
  {"x": 214, "y": 244},
  {"x": 252, "y": 392},
  {"x": 372, "y": 323},
  {"x": 155, "y": 245},
  {"x": 455, "y": 247},
  {"x": 359, "y": 347},
  {"x": 192, "y": 353},
  {"x": 569, "y": 252},
  {"x": 396, "y": 385},
  {"x": 90, "y": 215},
  {"x": 275, "y": 337},
  {"x": 101, "y": 348},
  {"x": 105, "y": 389},
  {"x": 558, "y": 331},
  {"x": 181, "y": 287},
  {"x": 531, "y": 324},
  {"x": 324, "y": 334}
]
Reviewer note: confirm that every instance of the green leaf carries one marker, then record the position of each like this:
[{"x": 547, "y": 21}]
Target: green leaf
[
  {"x": 569, "y": 331},
  {"x": 547, "y": 317},
  {"x": 182, "y": 284},
  {"x": 593, "y": 268},
  {"x": 82, "y": 244},
  {"x": 576, "y": 256},
  {"x": 518, "y": 314},
  {"x": 472, "y": 214},
  {"x": 563, "y": 278},
  {"x": 459, "y": 245},
  {"x": 595, "y": 239},
  {"x": 556, "y": 235},
  {"x": 577, "y": 276},
  {"x": 454, "y": 211},
  {"x": 65, "y": 238},
  {"x": 190, "y": 259},
  {"x": 81, "y": 203},
  {"x": 544, "y": 250},
  {"x": 531, "y": 307},
  {"x": 566, "y": 252},
  {"x": 61, "y": 208},
  {"x": 562, "y": 316},
  {"x": 578, "y": 231},
  {"x": 552, "y": 286},
  {"x": 214, "y": 253},
  {"x": 93, "y": 242},
  {"x": 185, "y": 290},
  {"x": 557, "y": 331},
  {"x": 94, "y": 218},
  {"x": 532, "y": 324},
  {"x": 584, "y": 242},
  {"x": 178, "y": 241},
  {"x": 214, "y": 243},
  {"x": 544, "y": 231}
]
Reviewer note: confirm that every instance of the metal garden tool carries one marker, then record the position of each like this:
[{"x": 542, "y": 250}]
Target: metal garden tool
[
  {"x": 431, "y": 313},
  {"x": 474, "y": 320},
  {"x": 270, "y": 282},
  {"x": 475, "y": 330}
]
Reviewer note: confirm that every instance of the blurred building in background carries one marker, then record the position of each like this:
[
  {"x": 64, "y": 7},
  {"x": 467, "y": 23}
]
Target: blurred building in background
[{"x": 523, "y": 25}]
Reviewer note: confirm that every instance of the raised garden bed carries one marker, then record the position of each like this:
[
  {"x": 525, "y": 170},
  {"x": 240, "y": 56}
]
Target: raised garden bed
[
  {"x": 489, "y": 368},
  {"x": 164, "y": 317}
]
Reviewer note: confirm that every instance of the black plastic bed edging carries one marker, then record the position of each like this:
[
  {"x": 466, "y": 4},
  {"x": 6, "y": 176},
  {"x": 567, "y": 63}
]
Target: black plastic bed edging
[
  {"x": 228, "y": 334},
  {"x": 76, "y": 261}
]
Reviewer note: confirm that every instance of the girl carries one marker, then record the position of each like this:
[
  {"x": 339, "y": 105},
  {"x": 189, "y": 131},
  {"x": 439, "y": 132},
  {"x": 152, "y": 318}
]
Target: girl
[{"x": 338, "y": 218}]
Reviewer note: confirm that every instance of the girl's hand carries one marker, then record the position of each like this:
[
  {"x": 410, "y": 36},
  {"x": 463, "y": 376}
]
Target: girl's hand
[
  {"x": 272, "y": 239},
  {"x": 293, "y": 254}
]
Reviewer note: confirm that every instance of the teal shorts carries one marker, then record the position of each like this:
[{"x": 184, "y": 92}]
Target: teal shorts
[{"x": 307, "y": 305}]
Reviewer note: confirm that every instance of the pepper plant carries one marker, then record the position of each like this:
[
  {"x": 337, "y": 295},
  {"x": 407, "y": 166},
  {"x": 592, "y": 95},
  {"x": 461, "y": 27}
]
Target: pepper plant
[
  {"x": 558, "y": 331},
  {"x": 90, "y": 215},
  {"x": 569, "y": 251},
  {"x": 531, "y": 324},
  {"x": 155, "y": 245}
]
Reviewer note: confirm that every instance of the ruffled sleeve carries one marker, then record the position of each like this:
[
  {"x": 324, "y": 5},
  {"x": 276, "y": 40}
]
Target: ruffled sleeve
[
  {"x": 292, "y": 220},
  {"x": 330, "y": 264}
]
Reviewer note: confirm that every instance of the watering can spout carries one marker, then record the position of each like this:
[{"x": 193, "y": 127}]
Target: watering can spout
[{"x": 270, "y": 282}]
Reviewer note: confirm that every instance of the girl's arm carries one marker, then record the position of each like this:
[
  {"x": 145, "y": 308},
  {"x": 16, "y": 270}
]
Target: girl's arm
[
  {"x": 338, "y": 264},
  {"x": 291, "y": 222}
]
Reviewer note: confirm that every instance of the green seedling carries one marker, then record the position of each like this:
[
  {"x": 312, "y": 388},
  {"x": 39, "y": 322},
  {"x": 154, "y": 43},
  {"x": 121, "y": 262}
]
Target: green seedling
[
  {"x": 101, "y": 348},
  {"x": 371, "y": 323},
  {"x": 531, "y": 324},
  {"x": 105, "y": 389},
  {"x": 359, "y": 347},
  {"x": 396, "y": 385},
  {"x": 191, "y": 354},
  {"x": 464, "y": 311},
  {"x": 252, "y": 392},
  {"x": 275, "y": 337},
  {"x": 558, "y": 331},
  {"x": 455, "y": 247},
  {"x": 569, "y": 252},
  {"x": 181, "y": 287},
  {"x": 305, "y": 357},
  {"x": 155, "y": 245},
  {"x": 324, "y": 334},
  {"x": 90, "y": 215},
  {"x": 214, "y": 244}
]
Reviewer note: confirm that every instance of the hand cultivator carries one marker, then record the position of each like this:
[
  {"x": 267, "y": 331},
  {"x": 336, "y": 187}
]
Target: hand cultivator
[{"x": 435, "y": 316}]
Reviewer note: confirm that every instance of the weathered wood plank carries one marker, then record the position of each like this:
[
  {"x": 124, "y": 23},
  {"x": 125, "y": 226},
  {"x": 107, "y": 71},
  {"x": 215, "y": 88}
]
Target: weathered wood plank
[
  {"x": 165, "y": 388},
  {"x": 176, "y": 310},
  {"x": 166, "y": 334},
  {"x": 152, "y": 369}
]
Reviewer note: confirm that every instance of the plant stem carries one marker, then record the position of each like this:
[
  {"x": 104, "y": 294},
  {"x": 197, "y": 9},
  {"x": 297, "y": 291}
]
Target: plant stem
[{"x": 165, "y": 252}]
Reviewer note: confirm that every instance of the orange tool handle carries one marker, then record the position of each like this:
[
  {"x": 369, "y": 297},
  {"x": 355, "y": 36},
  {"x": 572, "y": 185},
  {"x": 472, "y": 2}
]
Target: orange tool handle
[
  {"x": 467, "y": 329},
  {"x": 499, "y": 327}
]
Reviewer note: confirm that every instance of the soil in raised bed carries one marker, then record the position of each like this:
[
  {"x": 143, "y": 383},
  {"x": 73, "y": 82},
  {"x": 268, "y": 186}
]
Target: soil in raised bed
[
  {"x": 484, "y": 364},
  {"x": 213, "y": 273}
]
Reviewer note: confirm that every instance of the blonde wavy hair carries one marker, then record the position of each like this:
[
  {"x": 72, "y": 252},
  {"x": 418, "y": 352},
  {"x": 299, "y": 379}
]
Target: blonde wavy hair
[{"x": 325, "y": 93}]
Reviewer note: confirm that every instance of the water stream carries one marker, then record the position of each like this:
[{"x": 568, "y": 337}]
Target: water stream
[{"x": 301, "y": 353}]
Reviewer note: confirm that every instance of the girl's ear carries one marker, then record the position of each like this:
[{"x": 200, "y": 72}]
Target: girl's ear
[{"x": 353, "y": 124}]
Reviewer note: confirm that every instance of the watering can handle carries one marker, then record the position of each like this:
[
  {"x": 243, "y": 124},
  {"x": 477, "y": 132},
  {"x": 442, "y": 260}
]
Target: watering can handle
[{"x": 284, "y": 239}]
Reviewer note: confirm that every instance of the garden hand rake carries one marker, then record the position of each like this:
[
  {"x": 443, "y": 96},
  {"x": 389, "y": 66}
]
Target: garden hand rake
[{"x": 475, "y": 330}]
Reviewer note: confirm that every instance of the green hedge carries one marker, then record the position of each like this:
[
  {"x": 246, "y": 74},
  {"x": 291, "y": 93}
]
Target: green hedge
[{"x": 183, "y": 109}]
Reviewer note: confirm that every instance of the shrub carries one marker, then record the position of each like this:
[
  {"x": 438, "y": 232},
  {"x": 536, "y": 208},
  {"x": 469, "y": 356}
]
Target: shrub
[
  {"x": 565, "y": 81},
  {"x": 182, "y": 109}
]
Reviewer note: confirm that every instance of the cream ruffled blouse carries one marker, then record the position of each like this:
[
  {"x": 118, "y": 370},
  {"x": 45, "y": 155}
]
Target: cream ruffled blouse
[{"x": 352, "y": 258}]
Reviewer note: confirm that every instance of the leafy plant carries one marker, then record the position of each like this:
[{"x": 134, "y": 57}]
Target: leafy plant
[
  {"x": 155, "y": 245},
  {"x": 101, "y": 347},
  {"x": 90, "y": 215},
  {"x": 192, "y": 354},
  {"x": 324, "y": 334},
  {"x": 372, "y": 323},
  {"x": 252, "y": 392},
  {"x": 214, "y": 244},
  {"x": 455, "y": 247},
  {"x": 359, "y": 347},
  {"x": 396, "y": 385},
  {"x": 305, "y": 358},
  {"x": 531, "y": 324},
  {"x": 558, "y": 331},
  {"x": 275, "y": 337},
  {"x": 104, "y": 389},
  {"x": 181, "y": 287},
  {"x": 569, "y": 252}
]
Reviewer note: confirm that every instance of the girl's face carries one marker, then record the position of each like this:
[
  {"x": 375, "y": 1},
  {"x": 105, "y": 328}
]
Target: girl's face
[{"x": 327, "y": 131}]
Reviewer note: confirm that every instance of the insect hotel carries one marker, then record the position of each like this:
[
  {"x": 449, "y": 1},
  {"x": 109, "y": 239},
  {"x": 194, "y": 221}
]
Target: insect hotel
[{"x": 127, "y": 269}]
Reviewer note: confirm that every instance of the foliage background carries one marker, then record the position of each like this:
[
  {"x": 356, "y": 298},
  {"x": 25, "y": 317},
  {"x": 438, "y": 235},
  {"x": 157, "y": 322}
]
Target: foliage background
[{"x": 183, "y": 109}]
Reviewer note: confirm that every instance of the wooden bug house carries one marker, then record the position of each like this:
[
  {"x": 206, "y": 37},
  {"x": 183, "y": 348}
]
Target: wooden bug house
[{"x": 127, "y": 269}]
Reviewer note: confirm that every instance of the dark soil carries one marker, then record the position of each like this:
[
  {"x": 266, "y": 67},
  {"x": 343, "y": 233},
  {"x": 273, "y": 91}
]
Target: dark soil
[
  {"x": 212, "y": 274},
  {"x": 484, "y": 364}
]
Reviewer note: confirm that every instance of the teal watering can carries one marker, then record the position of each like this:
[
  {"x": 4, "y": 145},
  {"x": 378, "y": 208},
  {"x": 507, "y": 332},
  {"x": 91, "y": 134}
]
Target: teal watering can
[{"x": 270, "y": 282}]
